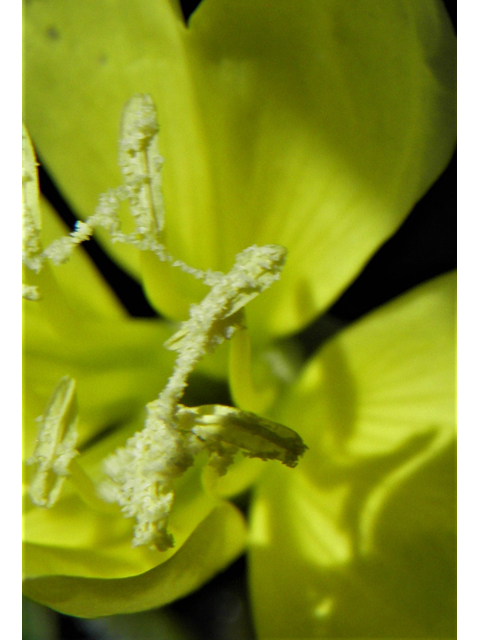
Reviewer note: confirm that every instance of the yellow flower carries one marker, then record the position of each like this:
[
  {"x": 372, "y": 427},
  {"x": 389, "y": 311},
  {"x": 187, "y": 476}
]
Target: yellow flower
[{"x": 314, "y": 127}]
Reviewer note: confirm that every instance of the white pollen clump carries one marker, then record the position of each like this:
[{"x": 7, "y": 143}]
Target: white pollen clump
[{"x": 30, "y": 292}]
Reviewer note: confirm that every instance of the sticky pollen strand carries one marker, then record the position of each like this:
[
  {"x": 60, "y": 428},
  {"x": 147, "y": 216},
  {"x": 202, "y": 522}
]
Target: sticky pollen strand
[
  {"x": 60, "y": 250},
  {"x": 56, "y": 444},
  {"x": 140, "y": 163}
]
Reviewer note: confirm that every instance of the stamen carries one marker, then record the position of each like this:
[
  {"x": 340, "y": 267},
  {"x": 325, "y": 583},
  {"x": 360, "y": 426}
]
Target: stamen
[
  {"x": 141, "y": 478},
  {"x": 31, "y": 218},
  {"x": 141, "y": 163},
  {"x": 256, "y": 437},
  {"x": 56, "y": 444}
]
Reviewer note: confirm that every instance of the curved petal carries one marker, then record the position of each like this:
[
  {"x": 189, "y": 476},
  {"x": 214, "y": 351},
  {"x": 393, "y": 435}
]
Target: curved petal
[
  {"x": 83, "y": 537},
  {"x": 310, "y": 579},
  {"x": 216, "y": 542},
  {"x": 360, "y": 539},
  {"x": 76, "y": 538},
  {"x": 316, "y": 128}
]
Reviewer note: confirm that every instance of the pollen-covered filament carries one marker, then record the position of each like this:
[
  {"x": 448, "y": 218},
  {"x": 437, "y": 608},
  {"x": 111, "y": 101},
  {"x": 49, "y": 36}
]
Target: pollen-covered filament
[{"x": 141, "y": 475}]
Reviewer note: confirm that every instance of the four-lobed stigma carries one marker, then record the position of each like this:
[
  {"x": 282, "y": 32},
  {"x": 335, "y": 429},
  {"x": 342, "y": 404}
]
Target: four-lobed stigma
[{"x": 140, "y": 476}]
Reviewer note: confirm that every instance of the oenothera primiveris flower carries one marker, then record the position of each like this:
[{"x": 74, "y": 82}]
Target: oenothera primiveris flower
[{"x": 315, "y": 128}]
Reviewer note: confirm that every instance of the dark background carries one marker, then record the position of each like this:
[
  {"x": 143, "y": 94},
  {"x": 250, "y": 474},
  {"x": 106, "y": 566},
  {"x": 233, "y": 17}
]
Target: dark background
[{"x": 424, "y": 247}]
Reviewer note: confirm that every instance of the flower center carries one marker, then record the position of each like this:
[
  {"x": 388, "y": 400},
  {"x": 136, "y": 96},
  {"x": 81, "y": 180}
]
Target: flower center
[{"x": 141, "y": 475}]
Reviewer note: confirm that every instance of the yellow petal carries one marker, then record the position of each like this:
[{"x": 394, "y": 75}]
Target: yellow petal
[
  {"x": 317, "y": 129},
  {"x": 365, "y": 527},
  {"x": 386, "y": 378},
  {"x": 74, "y": 539},
  {"x": 215, "y": 543},
  {"x": 83, "y": 536}
]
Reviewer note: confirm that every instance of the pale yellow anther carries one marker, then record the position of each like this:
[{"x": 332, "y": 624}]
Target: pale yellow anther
[
  {"x": 56, "y": 443},
  {"x": 256, "y": 437},
  {"x": 31, "y": 217},
  {"x": 141, "y": 163}
]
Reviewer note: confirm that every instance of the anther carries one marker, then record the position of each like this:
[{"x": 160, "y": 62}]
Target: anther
[{"x": 55, "y": 448}]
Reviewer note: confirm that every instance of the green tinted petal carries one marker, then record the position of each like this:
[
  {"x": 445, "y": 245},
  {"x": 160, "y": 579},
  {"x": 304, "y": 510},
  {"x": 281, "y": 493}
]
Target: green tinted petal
[
  {"x": 216, "y": 542},
  {"x": 365, "y": 528},
  {"x": 386, "y": 378},
  {"x": 316, "y": 128},
  {"x": 336, "y": 120},
  {"x": 310, "y": 576},
  {"x": 297, "y": 547}
]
